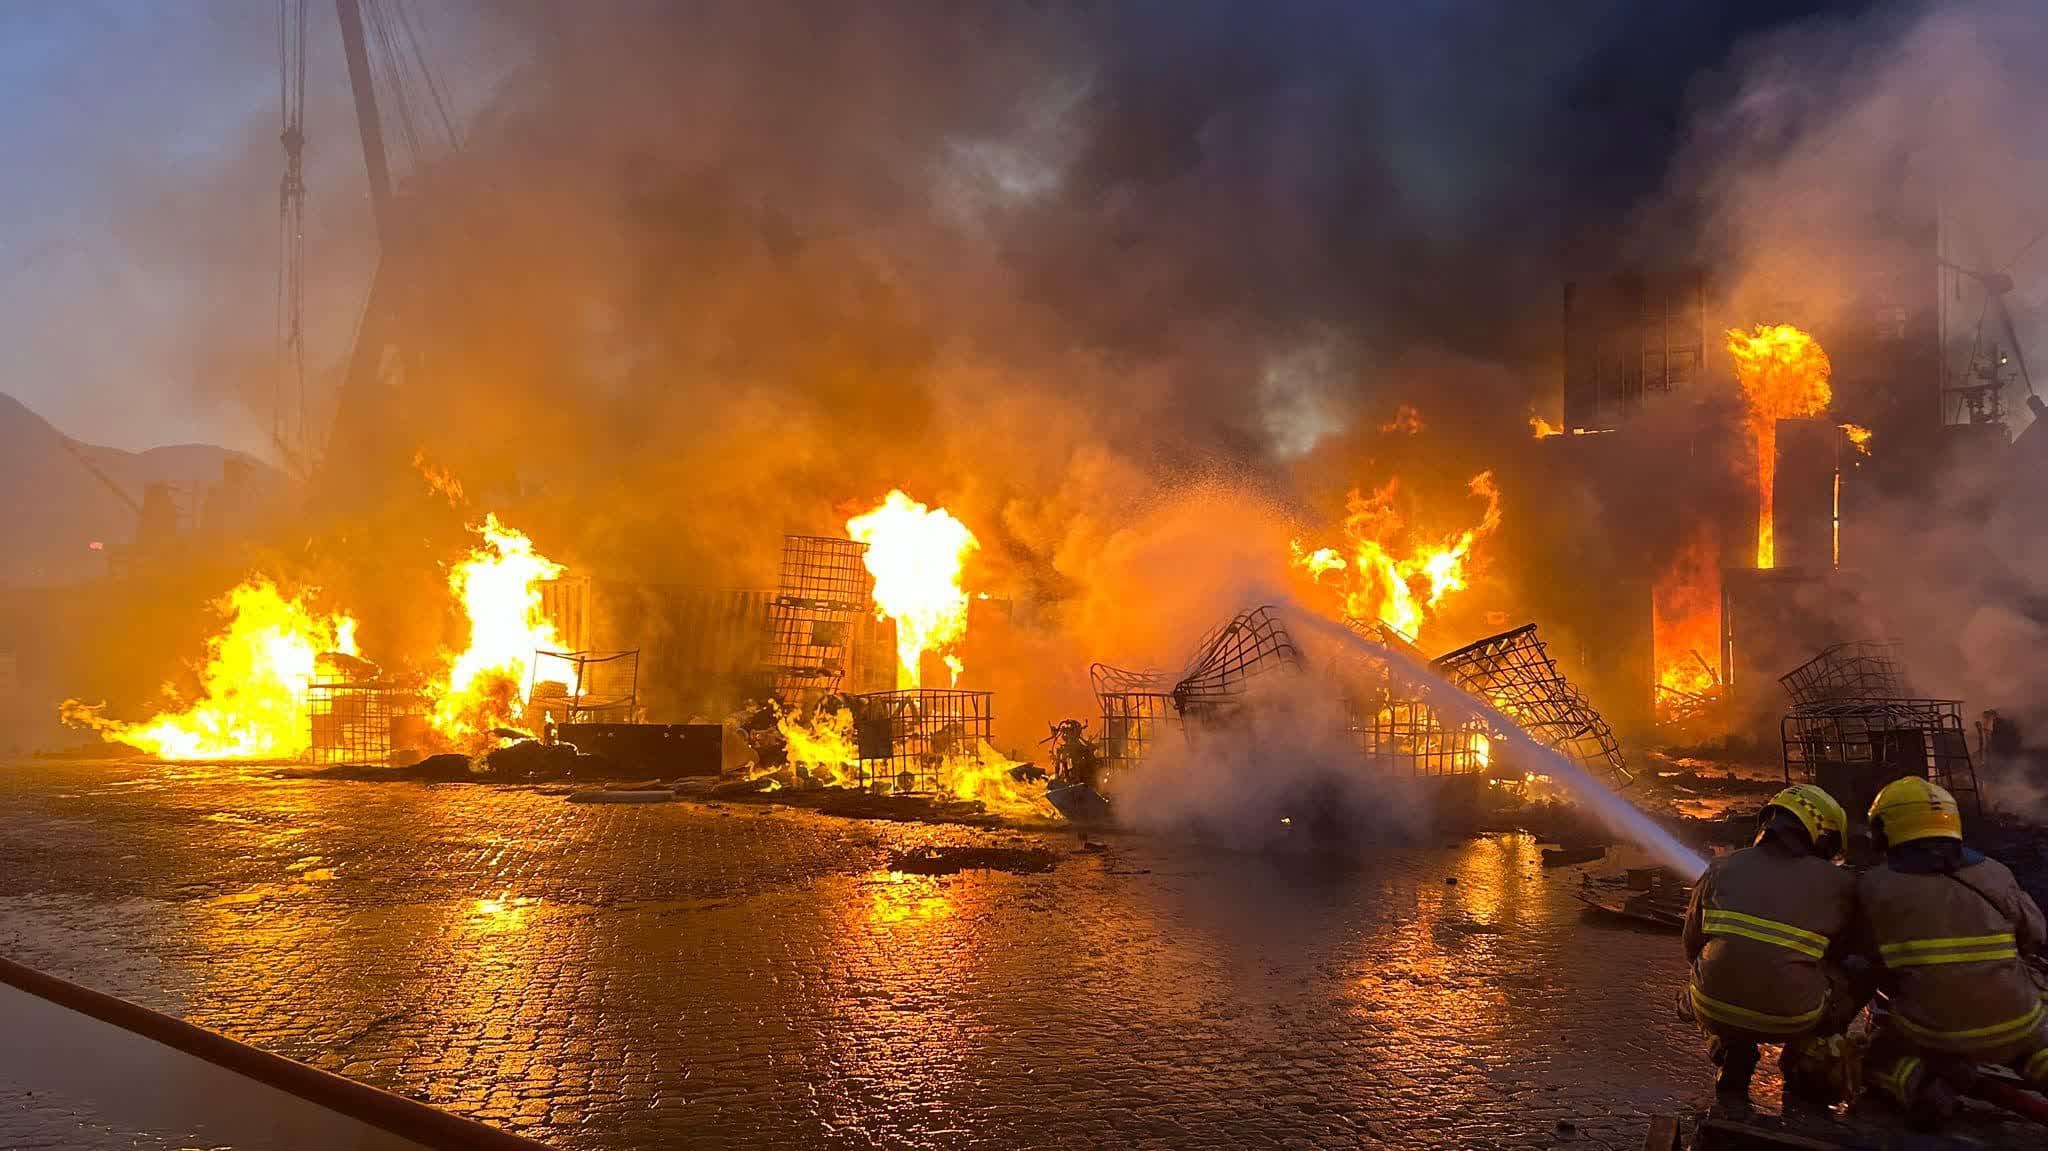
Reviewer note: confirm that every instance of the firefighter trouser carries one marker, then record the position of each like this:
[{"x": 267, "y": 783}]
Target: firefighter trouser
[
  {"x": 1845, "y": 996},
  {"x": 1904, "y": 1059}
]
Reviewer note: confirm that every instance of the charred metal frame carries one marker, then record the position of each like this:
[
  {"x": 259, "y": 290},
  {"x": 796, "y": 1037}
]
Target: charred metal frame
[
  {"x": 1875, "y": 741},
  {"x": 1410, "y": 737},
  {"x": 351, "y": 712},
  {"x": 905, "y": 738},
  {"x": 1135, "y": 706},
  {"x": 597, "y": 686},
  {"x": 1252, "y": 645},
  {"x": 1858, "y": 670},
  {"x": 1514, "y": 672},
  {"x": 823, "y": 588}
]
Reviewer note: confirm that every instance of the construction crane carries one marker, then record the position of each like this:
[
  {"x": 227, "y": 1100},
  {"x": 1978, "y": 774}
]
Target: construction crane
[
  {"x": 156, "y": 514},
  {"x": 382, "y": 46}
]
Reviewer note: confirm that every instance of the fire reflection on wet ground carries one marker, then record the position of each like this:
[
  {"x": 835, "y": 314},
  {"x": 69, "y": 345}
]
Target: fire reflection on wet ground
[{"x": 608, "y": 977}]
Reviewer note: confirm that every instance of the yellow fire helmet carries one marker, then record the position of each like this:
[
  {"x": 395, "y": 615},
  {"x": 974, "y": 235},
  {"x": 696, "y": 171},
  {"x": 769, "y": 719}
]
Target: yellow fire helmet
[
  {"x": 1817, "y": 811},
  {"x": 1913, "y": 808}
]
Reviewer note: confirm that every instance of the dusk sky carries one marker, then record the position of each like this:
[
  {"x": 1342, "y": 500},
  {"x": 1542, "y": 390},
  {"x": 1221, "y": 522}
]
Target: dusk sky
[{"x": 138, "y": 219}]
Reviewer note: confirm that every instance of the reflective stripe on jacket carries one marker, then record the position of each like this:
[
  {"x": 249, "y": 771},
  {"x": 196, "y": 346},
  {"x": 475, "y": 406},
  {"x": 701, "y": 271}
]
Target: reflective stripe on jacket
[
  {"x": 1760, "y": 922},
  {"x": 1951, "y": 947}
]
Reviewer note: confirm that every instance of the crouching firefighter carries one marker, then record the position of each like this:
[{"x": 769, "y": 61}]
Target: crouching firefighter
[
  {"x": 1953, "y": 931},
  {"x": 1763, "y": 934}
]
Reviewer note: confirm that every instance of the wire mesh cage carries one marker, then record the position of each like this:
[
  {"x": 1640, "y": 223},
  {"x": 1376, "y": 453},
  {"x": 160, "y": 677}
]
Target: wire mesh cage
[
  {"x": 1854, "y": 747},
  {"x": 354, "y": 715},
  {"x": 1251, "y": 646},
  {"x": 1857, "y": 670},
  {"x": 1513, "y": 671},
  {"x": 906, "y": 738},
  {"x": 1135, "y": 705},
  {"x": 824, "y": 587},
  {"x": 1409, "y": 737},
  {"x": 824, "y": 572},
  {"x": 585, "y": 686}
]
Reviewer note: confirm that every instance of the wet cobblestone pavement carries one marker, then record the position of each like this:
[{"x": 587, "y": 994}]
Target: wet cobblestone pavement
[{"x": 613, "y": 976}]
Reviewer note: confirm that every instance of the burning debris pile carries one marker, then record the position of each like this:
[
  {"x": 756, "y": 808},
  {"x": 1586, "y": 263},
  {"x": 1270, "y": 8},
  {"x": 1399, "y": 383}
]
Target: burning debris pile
[
  {"x": 252, "y": 688},
  {"x": 904, "y": 561},
  {"x": 1853, "y": 727},
  {"x": 284, "y": 680}
]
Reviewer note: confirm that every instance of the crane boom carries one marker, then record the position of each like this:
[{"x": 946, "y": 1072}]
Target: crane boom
[
  {"x": 350, "y": 15},
  {"x": 120, "y": 493}
]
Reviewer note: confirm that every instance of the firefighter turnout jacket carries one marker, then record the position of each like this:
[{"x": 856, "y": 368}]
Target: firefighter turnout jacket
[
  {"x": 1951, "y": 944},
  {"x": 1760, "y": 922}
]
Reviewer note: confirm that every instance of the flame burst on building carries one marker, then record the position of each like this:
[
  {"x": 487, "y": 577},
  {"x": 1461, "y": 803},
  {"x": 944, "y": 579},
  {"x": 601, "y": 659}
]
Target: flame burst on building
[{"x": 1784, "y": 376}]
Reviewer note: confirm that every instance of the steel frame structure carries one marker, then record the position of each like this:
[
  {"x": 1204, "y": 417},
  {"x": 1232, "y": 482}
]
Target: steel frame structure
[
  {"x": 1410, "y": 737},
  {"x": 1857, "y": 670},
  {"x": 1875, "y": 741},
  {"x": 600, "y": 686},
  {"x": 350, "y": 711},
  {"x": 1514, "y": 672},
  {"x": 1252, "y": 645},
  {"x": 906, "y": 738},
  {"x": 1135, "y": 706},
  {"x": 824, "y": 586}
]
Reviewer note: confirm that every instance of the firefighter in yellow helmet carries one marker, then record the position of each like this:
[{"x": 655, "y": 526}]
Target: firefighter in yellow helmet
[
  {"x": 1953, "y": 932},
  {"x": 1762, "y": 935}
]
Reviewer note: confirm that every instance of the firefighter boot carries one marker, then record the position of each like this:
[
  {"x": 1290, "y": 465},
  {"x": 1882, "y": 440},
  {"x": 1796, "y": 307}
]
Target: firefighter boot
[
  {"x": 1817, "y": 1069},
  {"x": 1737, "y": 1062}
]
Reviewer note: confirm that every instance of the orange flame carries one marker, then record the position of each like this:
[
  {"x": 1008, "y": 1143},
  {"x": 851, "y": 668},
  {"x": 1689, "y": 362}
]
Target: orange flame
[
  {"x": 916, "y": 555},
  {"x": 1407, "y": 421},
  {"x": 252, "y": 700},
  {"x": 1685, "y": 612},
  {"x": 1543, "y": 428},
  {"x": 498, "y": 588},
  {"x": 1391, "y": 575},
  {"x": 440, "y": 481},
  {"x": 824, "y": 745},
  {"x": 1784, "y": 376},
  {"x": 1859, "y": 437}
]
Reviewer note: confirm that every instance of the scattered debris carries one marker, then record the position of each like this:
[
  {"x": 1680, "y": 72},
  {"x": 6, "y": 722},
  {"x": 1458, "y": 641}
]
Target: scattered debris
[
  {"x": 532, "y": 759},
  {"x": 951, "y": 860},
  {"x": 1651, "y": 895},
  {"x": 1568, "y": 856},
  {"x": 610, "y": 795}
]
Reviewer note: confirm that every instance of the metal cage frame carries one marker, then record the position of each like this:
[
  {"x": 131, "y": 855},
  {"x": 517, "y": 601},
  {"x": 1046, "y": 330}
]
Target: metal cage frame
[
  {"x": 823, "y": 587},
  {"x": 351, "y": 710},
  {"x": 604, "y": 686},
  {"x": 1865, "y": 735},
  {"x": 1134, "y": 706},
  {"x": 1410, "y": 737},
  {"x": 1863, "y": 669},
  {"x": 906, "y": 737},
  {"x": 1514, "y": 672},
  {"x": 1248, "y": 647}
]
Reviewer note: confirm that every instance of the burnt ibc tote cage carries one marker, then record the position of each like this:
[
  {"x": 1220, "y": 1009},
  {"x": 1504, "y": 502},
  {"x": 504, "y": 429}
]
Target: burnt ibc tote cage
[
  {"x": 355, "y": 716},
  {"x": 822, "y": 590},
  {"x": 906, "y": 739}
]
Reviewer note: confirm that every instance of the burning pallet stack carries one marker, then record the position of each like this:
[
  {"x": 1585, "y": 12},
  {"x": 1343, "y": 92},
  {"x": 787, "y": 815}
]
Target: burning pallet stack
[{"x": 1854, "y": 726}]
